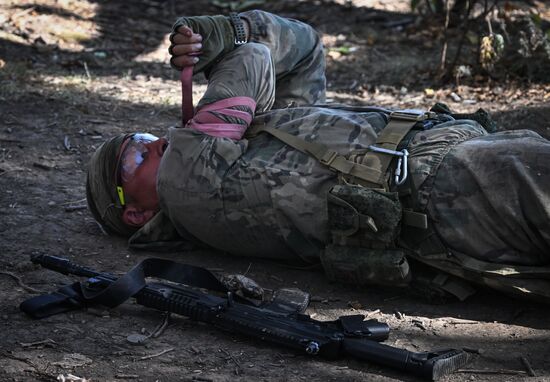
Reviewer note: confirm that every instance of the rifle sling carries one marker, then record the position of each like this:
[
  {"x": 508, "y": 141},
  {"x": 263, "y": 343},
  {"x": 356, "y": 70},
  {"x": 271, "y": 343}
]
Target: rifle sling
[{"x": 76, "y": 296}]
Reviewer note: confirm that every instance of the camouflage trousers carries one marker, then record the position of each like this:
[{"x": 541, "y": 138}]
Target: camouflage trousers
[
  {"x": 486, "y": 195},
  {"x": 490, "y": 198}
]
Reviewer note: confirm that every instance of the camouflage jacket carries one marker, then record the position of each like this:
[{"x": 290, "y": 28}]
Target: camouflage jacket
[{"x": 260, "y": 197}]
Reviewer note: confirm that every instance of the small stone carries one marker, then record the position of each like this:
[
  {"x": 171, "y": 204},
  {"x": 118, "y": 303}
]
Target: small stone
[
  {"x": 455, "y": 97},
  {"x": 136, "y": 339}
]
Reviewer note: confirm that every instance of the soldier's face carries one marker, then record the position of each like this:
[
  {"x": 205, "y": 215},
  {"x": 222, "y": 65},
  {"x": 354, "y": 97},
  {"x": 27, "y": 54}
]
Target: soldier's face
[{"x": 140, "y": 161}]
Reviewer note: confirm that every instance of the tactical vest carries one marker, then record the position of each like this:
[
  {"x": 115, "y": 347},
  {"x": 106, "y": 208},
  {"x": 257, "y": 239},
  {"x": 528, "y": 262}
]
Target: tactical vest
[{"x": 376, "y": 232}]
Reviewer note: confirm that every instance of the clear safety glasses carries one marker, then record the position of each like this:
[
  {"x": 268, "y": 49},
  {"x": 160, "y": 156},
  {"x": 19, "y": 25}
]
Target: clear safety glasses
[{"x": 133, "y": 153}]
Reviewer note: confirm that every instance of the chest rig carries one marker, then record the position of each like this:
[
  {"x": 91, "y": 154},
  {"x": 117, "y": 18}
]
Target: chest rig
[{"x": 365, "y": 213}]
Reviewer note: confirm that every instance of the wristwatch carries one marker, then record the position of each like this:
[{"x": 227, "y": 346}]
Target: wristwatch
[{"x": 238, "y": 27}]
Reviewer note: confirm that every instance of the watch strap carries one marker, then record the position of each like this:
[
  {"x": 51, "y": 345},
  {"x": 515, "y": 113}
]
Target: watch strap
[{"x": 238, "y": 27}]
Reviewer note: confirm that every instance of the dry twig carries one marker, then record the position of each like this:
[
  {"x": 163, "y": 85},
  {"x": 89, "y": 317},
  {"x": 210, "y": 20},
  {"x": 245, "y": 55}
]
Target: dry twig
[
  {"x": 47, "y": 341},
  {"x": 126, "y": 376},
  {"x": 527, "y": 365},
  {"x": 486, "y": 371},
  {"x": 237, "y": 364},
  {"x": 21, "y": 283},
  {"x": 160, "y": 329},
  {"x": 75, "y": 208},
  {"x": 156, "y": 355}
]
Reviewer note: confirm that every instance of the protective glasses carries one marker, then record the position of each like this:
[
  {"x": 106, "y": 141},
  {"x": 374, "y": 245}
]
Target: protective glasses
[{"x": 132, "y": 154}]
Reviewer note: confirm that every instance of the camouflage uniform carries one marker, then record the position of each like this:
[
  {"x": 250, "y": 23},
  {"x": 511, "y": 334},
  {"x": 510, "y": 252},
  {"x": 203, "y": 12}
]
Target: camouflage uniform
[{"x": 486, "y": 195}]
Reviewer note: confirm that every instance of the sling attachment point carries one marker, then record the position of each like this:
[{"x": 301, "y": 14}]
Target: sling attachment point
[{"x": 401, "y": 169}]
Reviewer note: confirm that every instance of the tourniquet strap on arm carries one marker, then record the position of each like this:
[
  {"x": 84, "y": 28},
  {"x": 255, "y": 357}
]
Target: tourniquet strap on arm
[
  {"x": 210, "y": 118},
  {"x": 226, "y": 118}
]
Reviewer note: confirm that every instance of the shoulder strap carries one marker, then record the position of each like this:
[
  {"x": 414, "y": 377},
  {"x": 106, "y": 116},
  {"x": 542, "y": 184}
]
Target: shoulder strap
[
  {"x": 330, "y": 158},
  {"x": 373, "y": 169}
]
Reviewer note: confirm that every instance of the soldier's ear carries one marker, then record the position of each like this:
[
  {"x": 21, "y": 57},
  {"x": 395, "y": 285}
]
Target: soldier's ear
[{"x": 135, "y": 217}]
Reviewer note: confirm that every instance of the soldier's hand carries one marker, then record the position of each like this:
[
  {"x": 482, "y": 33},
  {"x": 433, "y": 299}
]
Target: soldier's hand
[
  {"x": 185, "y": 47},
  {"x": 215, "y": 33}
]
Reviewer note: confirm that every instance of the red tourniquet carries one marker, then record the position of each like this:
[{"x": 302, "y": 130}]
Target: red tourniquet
[
  {"x": 206, "y": 119},
  {"x": 186, "y": 78}
]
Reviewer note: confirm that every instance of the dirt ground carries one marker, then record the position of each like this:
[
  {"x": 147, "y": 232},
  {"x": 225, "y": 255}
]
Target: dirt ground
[{"x": 75, "y": 72}]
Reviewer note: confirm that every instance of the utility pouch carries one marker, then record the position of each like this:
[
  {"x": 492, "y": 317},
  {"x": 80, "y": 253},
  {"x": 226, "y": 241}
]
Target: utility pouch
[
  {"x": 364, "y": 224},
  {"x": 360, "y": 216},
  {"x": 363, "y": 266}
]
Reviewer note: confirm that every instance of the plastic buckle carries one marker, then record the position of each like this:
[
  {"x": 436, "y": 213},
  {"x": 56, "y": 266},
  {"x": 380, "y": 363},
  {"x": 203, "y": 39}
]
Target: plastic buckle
[{"x": 331, "y": 156}]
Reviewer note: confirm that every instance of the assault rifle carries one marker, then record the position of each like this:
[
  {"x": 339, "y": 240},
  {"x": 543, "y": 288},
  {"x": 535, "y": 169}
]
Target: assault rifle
[{"x": 280, "y": 321}]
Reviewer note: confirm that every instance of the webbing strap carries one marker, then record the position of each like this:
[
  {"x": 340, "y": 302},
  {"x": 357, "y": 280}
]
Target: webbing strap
[
  {"x": 204, "y": 120},
  {"x": 327, "y": 157},
  {"x": 77, "y": 296},
  {"x": 389, "y": 138},
  {"x": 186, "y": 78}
]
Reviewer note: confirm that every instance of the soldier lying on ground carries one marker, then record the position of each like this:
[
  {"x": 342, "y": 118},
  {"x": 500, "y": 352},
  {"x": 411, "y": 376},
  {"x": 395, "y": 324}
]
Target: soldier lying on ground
[{"x": 264, "y": 169}]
